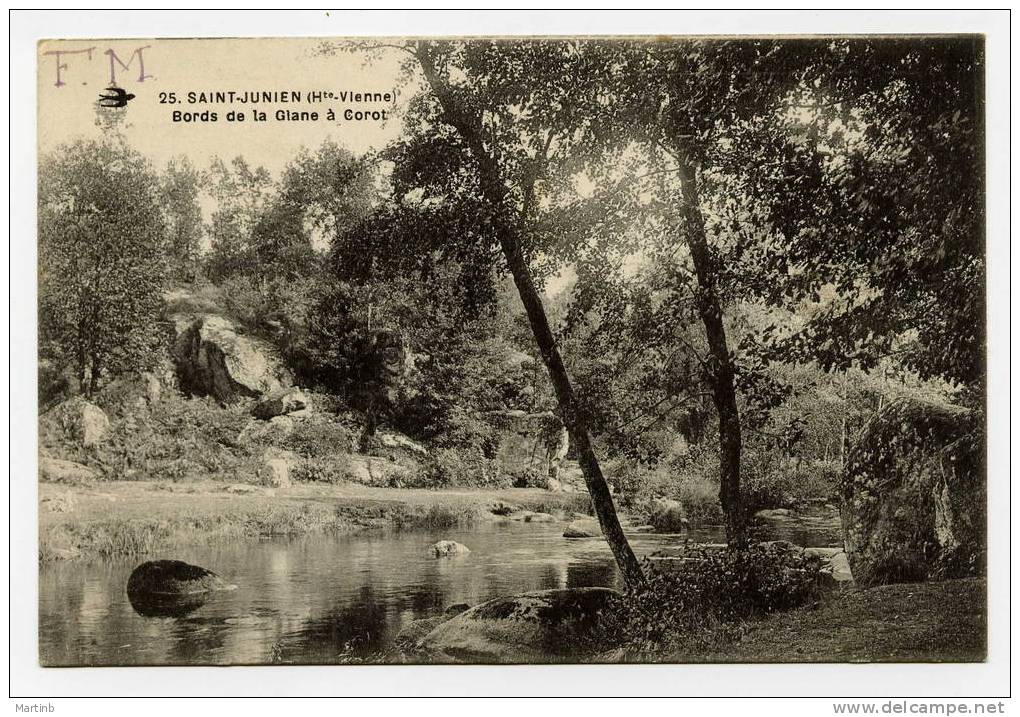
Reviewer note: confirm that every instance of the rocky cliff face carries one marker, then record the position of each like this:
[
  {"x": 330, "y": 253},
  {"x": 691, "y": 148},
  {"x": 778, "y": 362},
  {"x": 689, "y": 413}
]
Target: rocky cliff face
[{"x": 531, "y": 442}]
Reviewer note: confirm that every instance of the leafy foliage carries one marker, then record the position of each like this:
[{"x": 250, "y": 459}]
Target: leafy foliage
[
  {"x": 102, "y": 250},
  {"x": 710, "y": 589},
  {"x": 180, "y": 187}
]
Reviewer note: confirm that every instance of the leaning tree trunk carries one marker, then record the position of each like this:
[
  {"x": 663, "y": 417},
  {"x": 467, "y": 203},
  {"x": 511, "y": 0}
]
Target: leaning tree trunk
[
  {"x": 720, "y": 363},
  {"x": 506, "y": 227}
]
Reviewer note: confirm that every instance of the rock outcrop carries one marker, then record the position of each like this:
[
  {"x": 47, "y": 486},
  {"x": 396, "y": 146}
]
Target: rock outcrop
[
  {"x": 531, "y": 442},
  {"x": 277, "y": 465},
  {"x": 213, "y": 358},
  {"x": 540, "y": 626},
  {"x": 400, "y": 442},
  {"x": 913, "y": 495},
  {"x": 78, "y": 421}
]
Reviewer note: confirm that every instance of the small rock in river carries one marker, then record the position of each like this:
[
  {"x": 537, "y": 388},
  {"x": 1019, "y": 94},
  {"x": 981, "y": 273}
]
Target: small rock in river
[{"x": 446, "y": 548}]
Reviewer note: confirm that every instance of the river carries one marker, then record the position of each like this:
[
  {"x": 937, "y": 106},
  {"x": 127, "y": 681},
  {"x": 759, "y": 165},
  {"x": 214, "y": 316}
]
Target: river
[{"x": 324, "y": 599}]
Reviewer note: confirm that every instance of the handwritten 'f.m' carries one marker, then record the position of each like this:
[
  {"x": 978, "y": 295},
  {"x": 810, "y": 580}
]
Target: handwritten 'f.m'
[{"x": 61, "y": 64}]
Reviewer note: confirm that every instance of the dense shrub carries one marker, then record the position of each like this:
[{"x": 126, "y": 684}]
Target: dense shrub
[
  {"x": 706, "y": 590},
  {"x": 332, "y": 470},
  {"x": 174, "y": 439},
  {"x": 450, "y": 467},
  {"x": 691, "y": 478},
  {"x": 526, "y": 476},
  {"x": 319, "y": 437}
]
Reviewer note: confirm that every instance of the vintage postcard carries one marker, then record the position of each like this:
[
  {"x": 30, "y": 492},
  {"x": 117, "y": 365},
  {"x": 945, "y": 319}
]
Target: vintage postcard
[{"x": 412, "y": 350}]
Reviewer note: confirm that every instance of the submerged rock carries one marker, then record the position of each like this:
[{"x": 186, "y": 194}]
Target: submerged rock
[
  {"x": 445, "y": 548},
  {"x": 539, "y": 518},
  {"x": 171, "y": 588},
  {"x": 540, "y": 626},
  {"x": 586, "y": 528}
]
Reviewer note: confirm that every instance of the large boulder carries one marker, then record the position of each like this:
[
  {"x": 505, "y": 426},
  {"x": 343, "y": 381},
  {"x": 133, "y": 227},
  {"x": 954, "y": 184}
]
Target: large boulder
[
  {"x": 412, "y": 633},
  {"x": 280, "y": 403},
  {"x": 277, "y": 465},
  {"x": 174, "y": 577},
  {"x": 171, "y": 588},
  {"x": 540, "y": 626},
  {"x": 78, "y": 421},
  {"x": 399, "y": 442},
  {"x": 213, "y": 358},
  {"x": 913, "y": 495}
]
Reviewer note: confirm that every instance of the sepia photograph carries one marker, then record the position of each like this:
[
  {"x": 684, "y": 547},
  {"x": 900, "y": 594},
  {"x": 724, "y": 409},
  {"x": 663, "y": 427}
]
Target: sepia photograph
[{"x": 535, "y": 350}]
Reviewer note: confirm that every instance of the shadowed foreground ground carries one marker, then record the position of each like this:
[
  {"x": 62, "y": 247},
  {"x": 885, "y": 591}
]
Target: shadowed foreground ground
[{"x": 915, "y": 622}]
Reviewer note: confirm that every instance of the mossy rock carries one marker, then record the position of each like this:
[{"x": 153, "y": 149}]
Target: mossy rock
[
  {"x": 540, "y": 626},
  {"x": 913, "y": 495}
]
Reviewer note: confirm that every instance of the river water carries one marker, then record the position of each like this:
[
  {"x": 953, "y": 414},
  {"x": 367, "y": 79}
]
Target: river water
[{"x": 323, "y": 599}]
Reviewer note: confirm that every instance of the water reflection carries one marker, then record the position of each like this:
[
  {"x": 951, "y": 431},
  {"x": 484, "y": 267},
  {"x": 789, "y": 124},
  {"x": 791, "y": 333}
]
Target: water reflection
[
  {"x": 149, "y": 605},
  {"x": 312, "y": 599}
]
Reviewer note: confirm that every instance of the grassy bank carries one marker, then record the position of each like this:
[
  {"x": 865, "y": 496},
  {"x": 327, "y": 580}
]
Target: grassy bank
[
  {"x": 915, "y": 622},
  {"x": 136, "y": 517}
]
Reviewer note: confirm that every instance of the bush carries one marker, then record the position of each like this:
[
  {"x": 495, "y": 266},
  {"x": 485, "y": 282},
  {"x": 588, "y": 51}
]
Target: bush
[
  {"x": 783, "y": 484},
  {"x": 333, "y": 470},
  {"x": 691, "y": 479},
  {"x": 450, "y": 467},
  {"x": 435, "y": 516},
  {"x": 175, "y": 439},
  {"x": 526, "y": 477},
  {"x": 314, "y": 438},
  {"x": 710, "y": 591}
]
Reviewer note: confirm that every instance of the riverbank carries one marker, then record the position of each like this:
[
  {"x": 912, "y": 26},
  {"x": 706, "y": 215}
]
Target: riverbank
[
  {"x": 109, "y": 519},
  {"x": 911, "y": 622}
]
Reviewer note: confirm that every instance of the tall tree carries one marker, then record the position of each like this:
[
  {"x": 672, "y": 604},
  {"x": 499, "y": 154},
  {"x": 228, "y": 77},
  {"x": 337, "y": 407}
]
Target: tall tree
[
  {"x": 510, "y": 127},
  {"x": 102, "y": 266},
  {"x": 242, "y": 193},
  {"x": 180, "y": 186}
]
